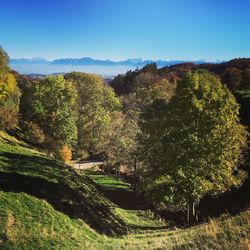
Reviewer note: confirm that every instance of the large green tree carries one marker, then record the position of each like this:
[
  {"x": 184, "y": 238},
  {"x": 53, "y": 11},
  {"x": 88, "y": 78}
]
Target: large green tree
[
  {"x": 54, "y": 101},
  {"x": 97, "y": 106},
  {"x": 192, "y": 146}
]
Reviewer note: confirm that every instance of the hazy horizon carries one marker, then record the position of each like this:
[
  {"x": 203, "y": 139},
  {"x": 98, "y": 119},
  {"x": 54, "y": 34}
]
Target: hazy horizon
[{"x": 108, "y": 71}]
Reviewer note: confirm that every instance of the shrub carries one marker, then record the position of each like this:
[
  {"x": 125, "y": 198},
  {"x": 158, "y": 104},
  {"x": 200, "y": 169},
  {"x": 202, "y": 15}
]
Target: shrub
[{"x": 65, "y": 154}]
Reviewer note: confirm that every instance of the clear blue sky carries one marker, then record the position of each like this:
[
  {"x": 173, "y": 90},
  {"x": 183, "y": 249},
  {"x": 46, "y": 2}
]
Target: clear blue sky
[{"x": 119, "y": 29}]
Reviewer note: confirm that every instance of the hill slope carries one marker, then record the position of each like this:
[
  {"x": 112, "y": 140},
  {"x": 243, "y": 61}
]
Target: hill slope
[{"x": 47, "y": 205}]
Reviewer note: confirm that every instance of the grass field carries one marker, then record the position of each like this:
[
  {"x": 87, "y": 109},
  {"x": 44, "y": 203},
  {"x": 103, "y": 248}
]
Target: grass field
[{"x": 47, "y": 205}]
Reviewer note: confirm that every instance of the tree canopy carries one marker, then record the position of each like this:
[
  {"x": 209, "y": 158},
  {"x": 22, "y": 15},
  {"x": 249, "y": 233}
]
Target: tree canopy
[
  {"x": 96, "y": 106},
  {"x": 193, "y": 145},
  {"x": 4, "y": 60},
  {"x": 54, "y": 101},
  {"x": 9, "y": 95}
]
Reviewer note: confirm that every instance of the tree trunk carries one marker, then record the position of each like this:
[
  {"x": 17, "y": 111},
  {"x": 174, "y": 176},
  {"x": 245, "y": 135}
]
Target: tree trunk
[
  {"x": 188, "y": 214},
  {"x": 135, "y": 166},
  {"x": 135, "y": 179},
  {"x": 191, "y": 213}
]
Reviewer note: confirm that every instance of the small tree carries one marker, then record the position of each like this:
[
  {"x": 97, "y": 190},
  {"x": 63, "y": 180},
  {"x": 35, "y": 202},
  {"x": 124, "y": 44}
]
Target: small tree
[
  {"x": 65, "y": 154},
  {"x": 193, "y": 146}
]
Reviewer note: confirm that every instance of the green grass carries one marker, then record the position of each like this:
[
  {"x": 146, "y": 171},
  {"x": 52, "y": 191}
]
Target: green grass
[
  {"x": 107, "y": 181},
  {"x": 121, "y": 194},
  {"x": 47, "y": 205},
  {"x": 30, "y": 223}
]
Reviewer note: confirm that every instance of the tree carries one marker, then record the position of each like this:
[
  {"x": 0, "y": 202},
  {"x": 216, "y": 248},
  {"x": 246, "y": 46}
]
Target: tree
[
  {"x": 120, "y": 144},
  {"x": 9, "y": 95},
  {"x": 97, "y": 106},
  {"x": 192, "y": 146},
  {"x": 65, "y": 154},
  {"x": 232, "y": 77},
  {"x": 26, "y": 86},
  {"x": 54, "y": 101},
  {"x": 245, "y": 80},
  {"x": 151, "y": 67},
  {"x": 4, "y": 60}
]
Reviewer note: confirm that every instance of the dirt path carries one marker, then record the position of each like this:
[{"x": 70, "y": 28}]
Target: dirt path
[{"x": 86, "y": 164}]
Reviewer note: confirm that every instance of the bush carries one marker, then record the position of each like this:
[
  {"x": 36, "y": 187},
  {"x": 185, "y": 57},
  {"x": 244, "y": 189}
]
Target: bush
[{"x": 65, "y": 154}]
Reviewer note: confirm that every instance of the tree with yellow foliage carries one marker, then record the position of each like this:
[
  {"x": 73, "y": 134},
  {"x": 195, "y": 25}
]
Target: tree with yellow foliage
[
  {"x": 65, "y": 154},
  {"x": 9, "y": 95}
]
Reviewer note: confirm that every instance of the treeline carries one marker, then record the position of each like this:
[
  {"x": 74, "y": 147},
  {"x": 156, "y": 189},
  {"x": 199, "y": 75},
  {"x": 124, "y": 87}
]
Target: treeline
[
  {"x": 176, "y": 130},
  {"x": 67, "y": 114},
  {"x": 235, "y": 74}
]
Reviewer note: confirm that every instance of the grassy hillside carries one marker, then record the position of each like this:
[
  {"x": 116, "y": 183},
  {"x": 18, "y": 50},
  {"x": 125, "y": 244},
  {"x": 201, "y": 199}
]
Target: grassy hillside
[{"x": 47, "y": 205}]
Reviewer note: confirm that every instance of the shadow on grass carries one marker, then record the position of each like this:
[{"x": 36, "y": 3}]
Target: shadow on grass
[
  {"x": 31, "y": 164},
  {"x": 125, "y": 199},
  {"x": 82, "y": 201},
  {"x": 118, "y": 192},
  {"x": 77, "y": 196}
]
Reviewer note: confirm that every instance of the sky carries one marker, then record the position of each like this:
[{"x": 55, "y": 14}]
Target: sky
[{"x": 121, "y": 29}]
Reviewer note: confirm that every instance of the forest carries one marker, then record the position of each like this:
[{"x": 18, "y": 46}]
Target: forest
[{"x": 177, "y": 135}]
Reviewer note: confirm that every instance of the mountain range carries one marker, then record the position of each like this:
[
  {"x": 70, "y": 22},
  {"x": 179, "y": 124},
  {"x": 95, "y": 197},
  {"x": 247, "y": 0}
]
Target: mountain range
[{"x": 88, "y": 61}]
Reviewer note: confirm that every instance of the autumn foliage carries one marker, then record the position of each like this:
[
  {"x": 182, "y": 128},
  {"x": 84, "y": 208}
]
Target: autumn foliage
[
  {"x": 9, "y": 95},
  {"x": 65, "y": 154}
]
